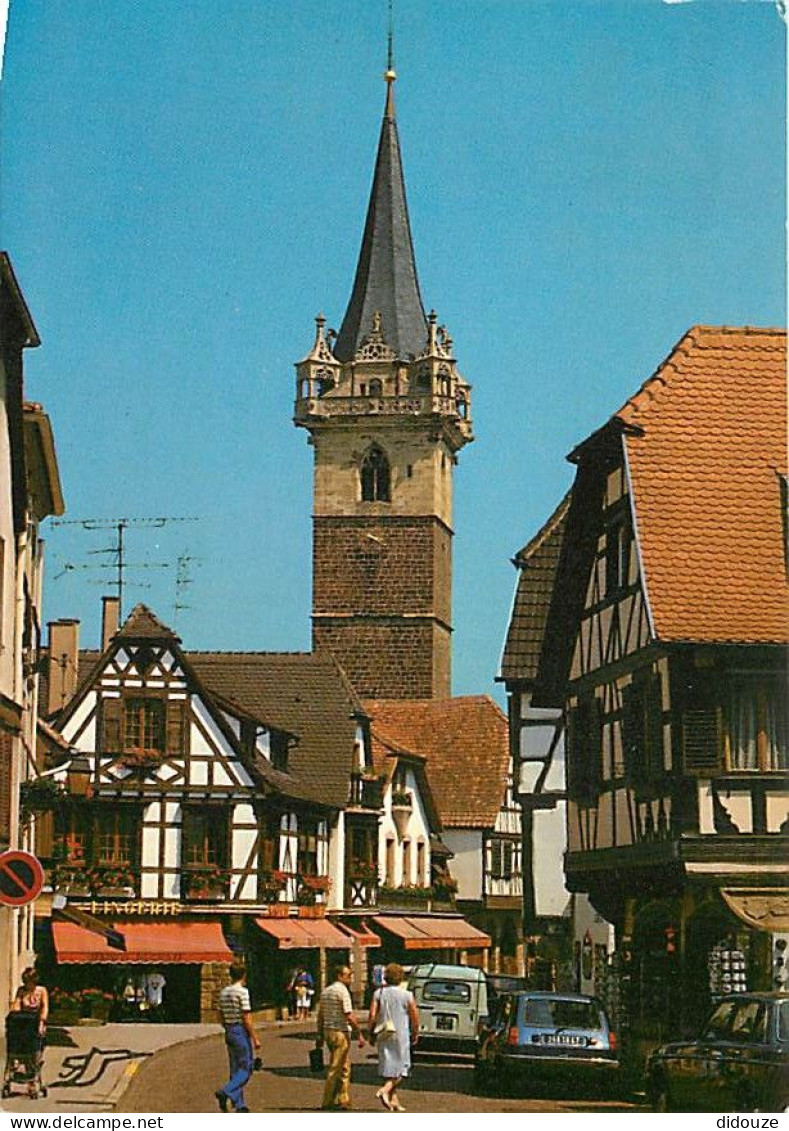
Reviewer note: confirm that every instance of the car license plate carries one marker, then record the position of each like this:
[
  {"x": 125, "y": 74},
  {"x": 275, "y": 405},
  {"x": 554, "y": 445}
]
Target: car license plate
[
  {"x": 562, "y": 1039},
  {"x": 445, "y": 1021}
]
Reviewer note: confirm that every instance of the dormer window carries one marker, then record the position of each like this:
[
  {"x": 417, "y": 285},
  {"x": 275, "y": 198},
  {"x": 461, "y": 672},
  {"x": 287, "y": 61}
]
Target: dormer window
[
  {"x": 617, "y": 557},
  {"x": 375, "y": 477}
]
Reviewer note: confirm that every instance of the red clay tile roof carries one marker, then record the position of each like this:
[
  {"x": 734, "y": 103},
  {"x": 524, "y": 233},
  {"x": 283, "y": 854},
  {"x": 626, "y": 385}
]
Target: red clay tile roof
[
  {"x": 537, "y": 563},
  {"x": 466, "y": 744},
  {"x": 706, "y": 442}
]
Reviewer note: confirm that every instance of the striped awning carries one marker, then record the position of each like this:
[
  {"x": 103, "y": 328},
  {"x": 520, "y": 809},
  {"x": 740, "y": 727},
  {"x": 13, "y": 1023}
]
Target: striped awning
[
  {"x": 161, "y": 943},
  {"x": 433, "y": 932}
]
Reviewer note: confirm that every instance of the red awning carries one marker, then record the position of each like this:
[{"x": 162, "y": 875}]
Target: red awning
[
  {"x": 361, "y": 934},
  {"x": 304, "y": 934},
  {"x": 434, "y": 932},
  {"x": 145, "y": 943}
]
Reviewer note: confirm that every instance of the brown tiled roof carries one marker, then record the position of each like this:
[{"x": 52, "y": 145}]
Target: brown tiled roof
[
  {"x": 142, "y": 624},
  {"x": 706, "y": 440},
  {"x": 466, "y": 745},
  {"x": 301, "y": 692},
  {"x": 537, "y": 563}
]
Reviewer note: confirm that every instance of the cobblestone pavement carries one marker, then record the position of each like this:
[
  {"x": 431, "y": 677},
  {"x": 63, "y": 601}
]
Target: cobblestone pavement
[{"x": 184, "y": 1079}]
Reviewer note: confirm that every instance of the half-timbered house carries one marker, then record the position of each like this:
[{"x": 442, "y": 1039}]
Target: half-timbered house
[
  {"x": 566, "y": 938},
  {"x": 29, "y": 492},
  {"x": 185, "y": 806},
  {"x": 666, "y": 646},
  {"x": 464, "y": 741}
]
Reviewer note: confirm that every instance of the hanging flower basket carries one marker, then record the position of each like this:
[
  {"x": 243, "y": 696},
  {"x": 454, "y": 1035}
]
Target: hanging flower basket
[{"x": 39, "y": 795}]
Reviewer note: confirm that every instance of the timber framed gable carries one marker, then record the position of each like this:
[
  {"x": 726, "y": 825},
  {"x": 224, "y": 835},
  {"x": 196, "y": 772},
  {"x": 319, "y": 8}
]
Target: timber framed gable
[{"x": 183, "y": 800}]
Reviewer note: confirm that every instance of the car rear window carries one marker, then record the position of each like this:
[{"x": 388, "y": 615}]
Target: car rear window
[
  {"x": 458, "y": 992},
  {"x": 548, "y": 1013}
]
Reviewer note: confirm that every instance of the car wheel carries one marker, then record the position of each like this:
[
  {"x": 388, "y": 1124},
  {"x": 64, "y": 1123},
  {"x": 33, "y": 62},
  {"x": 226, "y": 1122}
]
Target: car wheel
[
  {"x": 482, "y": 1080},
  {"x": 659, "y": 1097}
]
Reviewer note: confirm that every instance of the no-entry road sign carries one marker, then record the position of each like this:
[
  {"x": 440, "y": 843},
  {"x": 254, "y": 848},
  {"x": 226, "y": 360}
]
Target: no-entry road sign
[{"x": 21, "y": 878}]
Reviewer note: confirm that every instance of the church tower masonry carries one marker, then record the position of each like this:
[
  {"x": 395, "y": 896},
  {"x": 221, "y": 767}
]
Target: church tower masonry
[{"x": 387, "y": 412}]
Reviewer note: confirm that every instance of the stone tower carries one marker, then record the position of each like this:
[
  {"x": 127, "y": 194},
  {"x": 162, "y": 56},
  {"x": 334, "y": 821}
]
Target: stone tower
[{"x": 387, "y": 412}]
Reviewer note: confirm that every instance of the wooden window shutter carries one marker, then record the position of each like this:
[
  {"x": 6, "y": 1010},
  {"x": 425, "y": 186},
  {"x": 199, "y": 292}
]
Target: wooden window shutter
[
  {"x": 45, "y": 834},
  {"x": 572, "y": 752},
  {"x": 111, "y": 720},
  {"x": 177, "y": 727},
  {"x": 631, "y": 712},
  {"x": 595, "y": 746},
  {"x": 654, "y": 728},
  {"x": 701, "y": 741}
]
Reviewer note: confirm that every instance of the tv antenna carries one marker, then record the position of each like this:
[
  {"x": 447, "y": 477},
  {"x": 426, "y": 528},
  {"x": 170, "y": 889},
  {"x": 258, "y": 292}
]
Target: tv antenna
[
  {"x": 117, "y": 549},
  {"x": 183, "y": 579}
]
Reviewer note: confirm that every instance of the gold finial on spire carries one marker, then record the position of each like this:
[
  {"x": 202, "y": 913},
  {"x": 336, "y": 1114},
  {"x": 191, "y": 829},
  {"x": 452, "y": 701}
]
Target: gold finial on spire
[{"x": 390, "y": 74}]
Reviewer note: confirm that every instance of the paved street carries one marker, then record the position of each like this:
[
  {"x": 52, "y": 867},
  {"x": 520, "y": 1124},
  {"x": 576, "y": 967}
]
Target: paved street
[{"x": 184, "y": 1078}]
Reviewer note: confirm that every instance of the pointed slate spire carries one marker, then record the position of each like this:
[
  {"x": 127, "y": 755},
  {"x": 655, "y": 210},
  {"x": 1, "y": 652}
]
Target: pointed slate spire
[{"x": 386, "y": 280}]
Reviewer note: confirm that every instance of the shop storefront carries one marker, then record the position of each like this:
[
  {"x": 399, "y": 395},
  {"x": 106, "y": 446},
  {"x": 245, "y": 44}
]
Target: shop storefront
[{"x": 138, "y": 970}]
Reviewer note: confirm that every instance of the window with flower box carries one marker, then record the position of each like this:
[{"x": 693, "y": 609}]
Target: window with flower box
[
  {"x": 115, "y": 837},
  {"x": 143, "y": 724}
]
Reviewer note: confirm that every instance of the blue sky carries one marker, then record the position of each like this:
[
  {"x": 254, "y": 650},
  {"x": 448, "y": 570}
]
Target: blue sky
[{"x": 184, "y": 187}]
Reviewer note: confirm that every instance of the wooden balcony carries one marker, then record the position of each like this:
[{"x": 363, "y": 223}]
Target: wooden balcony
[{"x": 367, "y": 792}]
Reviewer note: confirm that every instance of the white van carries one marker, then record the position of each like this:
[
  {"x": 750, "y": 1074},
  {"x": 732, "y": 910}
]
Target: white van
[{"x": 451, "y": 1002}]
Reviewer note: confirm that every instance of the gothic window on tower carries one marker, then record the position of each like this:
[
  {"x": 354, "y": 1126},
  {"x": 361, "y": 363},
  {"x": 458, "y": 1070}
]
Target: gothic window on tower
[
  {"x": 375, "y": 477},
  {"x": 376, "y": 388}
]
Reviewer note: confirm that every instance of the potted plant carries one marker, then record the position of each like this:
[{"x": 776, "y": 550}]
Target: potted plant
[
  {"x": 96, "y": 1004},
  {"x": 272, "y": 884},
  {"x": 65, "y": 1007},
  {"x": 70, "y": 872},
  {"x": 402, "y": 807},
  {"x": 141, "y": 758},
  {"x": 311, "y": 892},
  {"x": 39, "y": 795},
  {"x": 444, "y": 887},
  {"x": 208, "y": 881},
  {"x": 114, "y": 880},
  {"x": 364, "y": 872}
]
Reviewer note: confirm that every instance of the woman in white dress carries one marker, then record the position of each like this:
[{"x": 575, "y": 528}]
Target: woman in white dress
[{"x": 394, "y": 1024}]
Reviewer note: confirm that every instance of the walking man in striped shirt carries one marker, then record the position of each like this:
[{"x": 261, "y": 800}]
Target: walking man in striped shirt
[
  {"x": 240, "y": 1038},
  {"x": 336, "y": 1024}
]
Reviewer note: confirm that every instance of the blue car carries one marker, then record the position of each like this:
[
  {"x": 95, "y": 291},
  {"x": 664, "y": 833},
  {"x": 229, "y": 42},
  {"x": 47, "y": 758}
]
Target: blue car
[{"x": 538, "y": 1038}]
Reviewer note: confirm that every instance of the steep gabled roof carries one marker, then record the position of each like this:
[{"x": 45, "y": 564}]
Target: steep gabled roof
[
  {"x": 706, "y": 445},
  {"x": 537, "y": 563},
  {"x": 303, "y": 693},
  {"x": 142, "y": 624},
  {"x": 465, "y": 741},
  {"x": 386, "y": 279}
]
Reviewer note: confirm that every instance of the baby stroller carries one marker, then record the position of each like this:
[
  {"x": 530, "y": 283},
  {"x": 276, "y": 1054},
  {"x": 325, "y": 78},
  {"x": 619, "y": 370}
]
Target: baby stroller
[{"x": 24, "y": 1055}]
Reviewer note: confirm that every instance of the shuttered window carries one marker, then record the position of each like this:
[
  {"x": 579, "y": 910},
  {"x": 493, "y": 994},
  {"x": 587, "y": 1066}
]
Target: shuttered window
[
  {"x": 585, "y": 751},
  {"x": 143, "y": 724},
  {"x": 642, "y": 730},
  {"x": 701, "y": 740}
]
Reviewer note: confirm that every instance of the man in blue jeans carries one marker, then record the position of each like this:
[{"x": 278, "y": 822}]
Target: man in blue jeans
[{"x": 240, "y": 1038}]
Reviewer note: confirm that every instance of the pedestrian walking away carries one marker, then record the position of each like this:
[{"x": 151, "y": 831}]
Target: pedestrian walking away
[
  {"x": 336, "y": 1025},
  {"x": 240, "y": 1038},
  {"x": 394, "y": 1026}
]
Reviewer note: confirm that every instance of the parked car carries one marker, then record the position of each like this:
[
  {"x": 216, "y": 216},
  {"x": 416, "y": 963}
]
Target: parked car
[
  {"x": 740, "y": 1062},
  {"x": 539, "y": 1037},
  {"x": 452, "y": 1001}
]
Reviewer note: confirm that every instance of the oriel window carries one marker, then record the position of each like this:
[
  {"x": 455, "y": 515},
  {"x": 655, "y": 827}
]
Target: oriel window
[
  {"x": 757, "y": 735},
  {"x": 143, "y": 724},
  {"x": 375, "y": 477}
]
